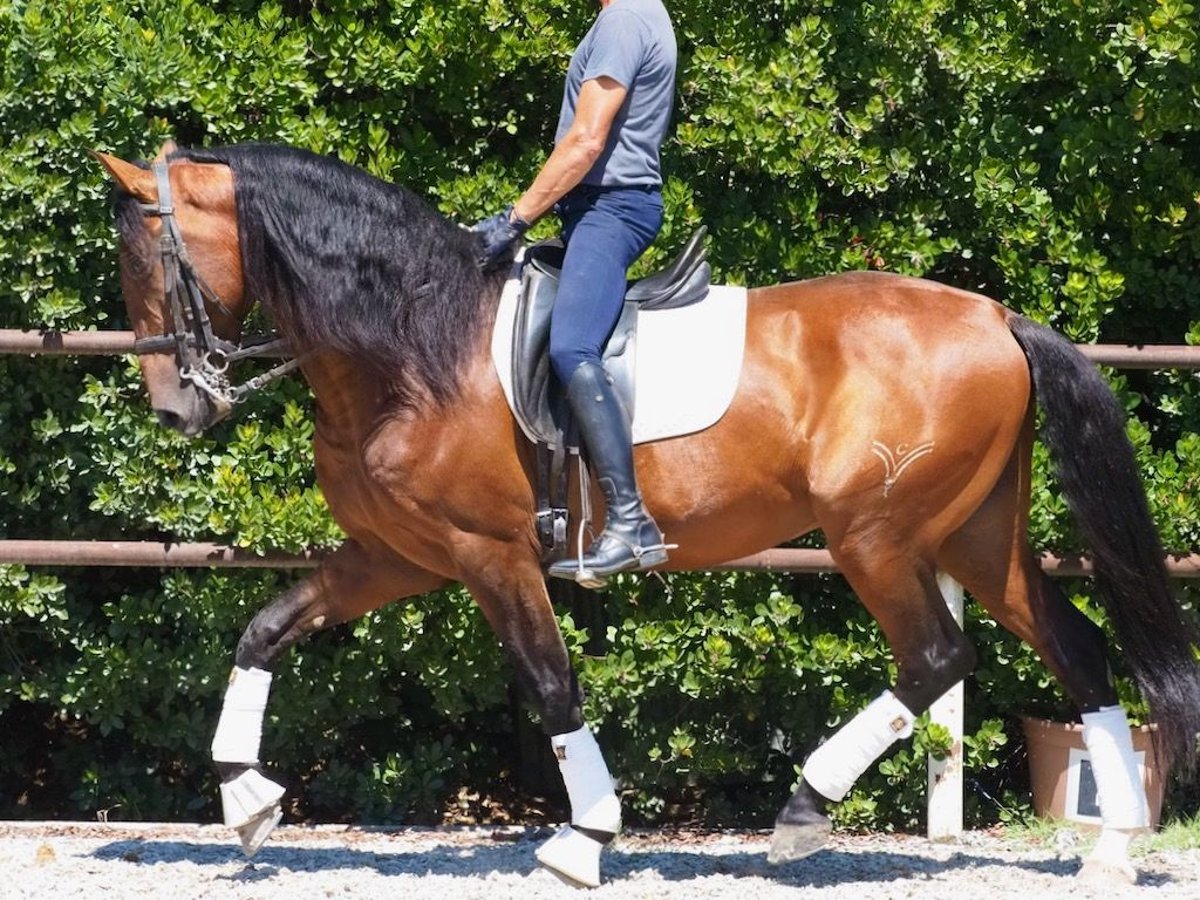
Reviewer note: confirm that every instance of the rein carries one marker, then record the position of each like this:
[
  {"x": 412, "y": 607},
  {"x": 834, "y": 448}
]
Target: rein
[{"x": 202, "y": 357}]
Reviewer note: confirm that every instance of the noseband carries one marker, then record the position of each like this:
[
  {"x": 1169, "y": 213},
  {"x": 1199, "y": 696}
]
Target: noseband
[{"x": 202, "y": 357}]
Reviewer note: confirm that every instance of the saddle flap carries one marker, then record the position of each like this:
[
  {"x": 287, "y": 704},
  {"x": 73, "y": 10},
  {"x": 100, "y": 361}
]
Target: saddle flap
[
  {"x": 685, "y": 364},
  {"x": 530, "y": 345}
]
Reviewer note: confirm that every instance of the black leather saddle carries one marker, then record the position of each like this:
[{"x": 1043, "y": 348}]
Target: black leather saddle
[{"x": 537, "y": 397}]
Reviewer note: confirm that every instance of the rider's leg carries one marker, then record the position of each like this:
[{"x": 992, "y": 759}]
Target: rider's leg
[{"x": 605, "y": 232}]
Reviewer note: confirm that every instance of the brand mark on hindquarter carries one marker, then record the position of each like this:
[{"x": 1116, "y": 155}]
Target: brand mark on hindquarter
[{"x": 896, "y": 461}]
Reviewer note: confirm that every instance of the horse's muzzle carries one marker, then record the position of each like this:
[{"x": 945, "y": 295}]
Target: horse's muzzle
[{"x": 191, "y": 413}]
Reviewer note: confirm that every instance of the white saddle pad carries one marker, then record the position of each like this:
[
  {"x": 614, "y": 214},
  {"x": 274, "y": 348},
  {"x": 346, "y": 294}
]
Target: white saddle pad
[{"x": 688, "y": 361}]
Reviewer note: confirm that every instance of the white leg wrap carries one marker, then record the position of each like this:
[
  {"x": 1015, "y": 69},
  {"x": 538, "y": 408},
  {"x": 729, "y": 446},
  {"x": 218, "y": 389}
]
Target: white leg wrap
[
  {"x": 1108, "y": 864},
  {"x": 834, "y": 766},
  {"x": 1113, "y": 845},
  {"x": 239, "y": 730},
  {"x": 1119, "y": 787},
  {"x": 594, "y": 806},
  {"x": 594, "y": 803}
]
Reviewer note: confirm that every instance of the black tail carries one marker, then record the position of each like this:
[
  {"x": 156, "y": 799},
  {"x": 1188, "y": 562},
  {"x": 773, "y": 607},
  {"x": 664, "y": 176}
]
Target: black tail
[{"x": 1084, "y": 429}]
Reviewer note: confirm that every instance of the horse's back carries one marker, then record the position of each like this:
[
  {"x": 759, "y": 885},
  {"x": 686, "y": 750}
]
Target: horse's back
[
  {"x": 884, "y": 309},
  {"x": 891, "y": 333},
  {"x": 863, "y": 397}
]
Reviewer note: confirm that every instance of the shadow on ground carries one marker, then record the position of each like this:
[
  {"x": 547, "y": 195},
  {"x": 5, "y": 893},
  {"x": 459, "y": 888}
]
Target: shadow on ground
[{"x": 825, "y": 869}]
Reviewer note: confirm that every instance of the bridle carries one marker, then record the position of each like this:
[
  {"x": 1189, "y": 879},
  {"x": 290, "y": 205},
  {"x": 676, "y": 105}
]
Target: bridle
[{"x": 202, "y": 357}]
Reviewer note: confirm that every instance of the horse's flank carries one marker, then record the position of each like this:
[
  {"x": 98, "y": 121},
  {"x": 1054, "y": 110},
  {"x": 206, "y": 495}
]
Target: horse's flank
[{"x": 869, "y": 353}]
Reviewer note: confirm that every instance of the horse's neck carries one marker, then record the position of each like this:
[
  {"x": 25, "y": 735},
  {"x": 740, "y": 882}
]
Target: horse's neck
[{"x": 354, "y": 400}]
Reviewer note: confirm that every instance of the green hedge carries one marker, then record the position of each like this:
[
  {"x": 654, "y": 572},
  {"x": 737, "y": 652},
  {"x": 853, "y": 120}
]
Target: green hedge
[{"x": 1045, "y": 154}]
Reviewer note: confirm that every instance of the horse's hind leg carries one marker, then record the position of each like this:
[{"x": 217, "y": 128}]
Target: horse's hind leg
[
  {"x": 931, "y": 654},
  {"x": 348, "y": 584},
  {"x": 989, "y": 555}
]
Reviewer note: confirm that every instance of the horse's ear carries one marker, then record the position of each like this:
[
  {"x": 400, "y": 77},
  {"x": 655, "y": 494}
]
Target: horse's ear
[
  {"x": 130, "y": 178},
  {"x": 167, "y": 149}
]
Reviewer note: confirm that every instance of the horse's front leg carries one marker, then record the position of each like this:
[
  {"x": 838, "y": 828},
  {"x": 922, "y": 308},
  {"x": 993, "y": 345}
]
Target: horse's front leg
[
  {"x": 350, "y": 583},
  {"x": 513, "y": 597}
]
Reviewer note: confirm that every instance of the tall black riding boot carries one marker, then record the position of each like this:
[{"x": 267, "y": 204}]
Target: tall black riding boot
[{"x": 631, "y": 539}]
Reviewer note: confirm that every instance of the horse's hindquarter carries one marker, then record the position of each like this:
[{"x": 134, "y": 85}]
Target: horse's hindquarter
[{"x": 863, "y": 397}]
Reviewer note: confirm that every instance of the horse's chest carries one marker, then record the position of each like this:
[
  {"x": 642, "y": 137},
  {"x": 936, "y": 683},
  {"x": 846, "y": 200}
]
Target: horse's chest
[{"x": 375, "y": 479}]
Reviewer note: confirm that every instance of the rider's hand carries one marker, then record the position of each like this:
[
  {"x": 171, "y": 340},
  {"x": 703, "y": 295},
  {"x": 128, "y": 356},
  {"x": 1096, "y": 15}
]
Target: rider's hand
[{"x": 499, "y": 236}]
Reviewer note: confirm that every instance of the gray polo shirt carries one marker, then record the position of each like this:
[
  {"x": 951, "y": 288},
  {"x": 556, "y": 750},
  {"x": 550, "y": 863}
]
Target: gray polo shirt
[{"x": 633, "y": 43}]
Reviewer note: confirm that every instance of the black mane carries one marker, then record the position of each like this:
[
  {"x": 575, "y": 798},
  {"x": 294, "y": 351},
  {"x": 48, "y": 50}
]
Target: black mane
[{"x": 345, "y": 261}]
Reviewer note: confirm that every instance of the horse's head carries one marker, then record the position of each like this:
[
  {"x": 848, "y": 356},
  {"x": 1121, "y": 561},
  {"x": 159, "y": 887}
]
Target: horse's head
[{"x": 181, "y": 274}]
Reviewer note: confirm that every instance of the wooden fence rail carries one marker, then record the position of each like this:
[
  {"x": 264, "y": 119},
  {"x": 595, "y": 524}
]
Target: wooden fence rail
[{"x": 71, "y": 343}]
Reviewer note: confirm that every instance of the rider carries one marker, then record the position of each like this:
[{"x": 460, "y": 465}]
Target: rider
[{"x": 604, "y": 181}]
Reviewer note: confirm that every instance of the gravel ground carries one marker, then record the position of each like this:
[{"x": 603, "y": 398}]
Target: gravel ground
[{"x": 183, "y": 861}]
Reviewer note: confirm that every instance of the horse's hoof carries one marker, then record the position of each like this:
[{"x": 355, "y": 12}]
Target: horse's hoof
[
  {"x": 255, "y": 832},
  {"x": 251, "y": 804},
  {"x": 246, "y": 798},
  {"x": 792, "y": 842},
  {"x": 1106, "y": 872},
  {"x": 572, "y": 856}
]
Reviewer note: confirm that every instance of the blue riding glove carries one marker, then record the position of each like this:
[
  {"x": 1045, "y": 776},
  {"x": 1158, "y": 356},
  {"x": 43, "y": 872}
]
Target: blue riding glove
[{"x": 499, "y": 236}]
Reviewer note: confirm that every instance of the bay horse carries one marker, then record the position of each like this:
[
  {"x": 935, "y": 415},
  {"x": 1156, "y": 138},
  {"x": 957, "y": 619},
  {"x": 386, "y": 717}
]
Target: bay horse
[{"x": 423, "y": 466}]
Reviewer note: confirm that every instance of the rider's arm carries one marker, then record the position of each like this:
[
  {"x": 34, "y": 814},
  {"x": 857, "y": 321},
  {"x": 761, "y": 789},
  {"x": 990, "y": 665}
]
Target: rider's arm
[{"x": 599, "y": 102}]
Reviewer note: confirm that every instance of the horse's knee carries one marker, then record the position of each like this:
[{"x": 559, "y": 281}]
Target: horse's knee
[
  {"x": 259, "y": 645},
  {"x": 924, "y": 679},
  {"x": 563, "y": 720},
  {"x": 553, "y": 691}
]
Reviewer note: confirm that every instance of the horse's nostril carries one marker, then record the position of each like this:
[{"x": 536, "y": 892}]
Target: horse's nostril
[{"x": 168, "y": 419}]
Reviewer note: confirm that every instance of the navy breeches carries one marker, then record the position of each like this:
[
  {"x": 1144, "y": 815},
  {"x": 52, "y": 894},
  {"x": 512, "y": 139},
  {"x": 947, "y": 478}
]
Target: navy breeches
[{"x": 605, "y": 230}]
